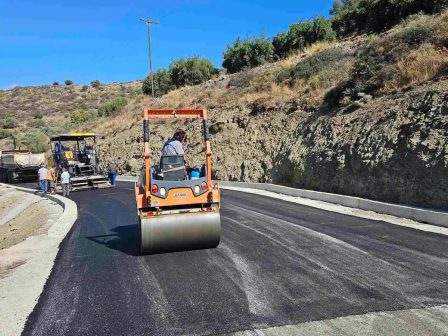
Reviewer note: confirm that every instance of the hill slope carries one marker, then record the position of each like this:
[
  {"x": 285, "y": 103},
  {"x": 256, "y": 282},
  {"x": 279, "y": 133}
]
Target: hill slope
[{"x": 366, "y": 117}]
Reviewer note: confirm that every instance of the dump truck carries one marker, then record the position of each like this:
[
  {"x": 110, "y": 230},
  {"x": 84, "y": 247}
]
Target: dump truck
[
  {"x": 20, "y": 166},
  {"x": 175, "y": 211},
  {"x": 78, "y": 153}
]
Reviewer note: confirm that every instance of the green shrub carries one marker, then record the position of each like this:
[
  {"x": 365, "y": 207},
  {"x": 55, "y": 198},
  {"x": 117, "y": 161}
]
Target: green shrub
[
  {"x": 38, "y": 115},
  {"x": 359, "y": 16},
  {"x": 302, "y": 35},
  {"x": 317, "y": 62},
  {"x": 79, "y": 117},
  {"x": 68, "y": 82},
  {"x": 4, "y": 133},
  {"x": 112, "y": 107},
  {"x": 162, "y": 83},
  {"x": 9, "y": 122},
  {"x": 192, "y": 71},
  {"x": 95, "y": 83},
  {"x": 81, "y": 105},
  {"x": 416, "y": 36},
  {"x": 285, "y": 74},
  {"x": 312, "y": 65},
  {"x": 55, "y": 83},
  {"x": 39, "y": 123},
  {"x": 248, "y": 53},
  {"x": 281, "y": 44},
  {"x": 36, "y": 142},
  {"x": 85, "y": 88}
]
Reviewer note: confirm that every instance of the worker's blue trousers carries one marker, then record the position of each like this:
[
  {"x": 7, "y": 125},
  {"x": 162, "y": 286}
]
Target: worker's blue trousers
[
  {"x": 44, "y": 185},
  {"x": 112, "y": 178}
]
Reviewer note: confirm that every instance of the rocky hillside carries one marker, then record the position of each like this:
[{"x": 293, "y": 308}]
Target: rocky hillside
[
  {"x": 53, "y": 109},
  {"x": 366, "y": 116}
]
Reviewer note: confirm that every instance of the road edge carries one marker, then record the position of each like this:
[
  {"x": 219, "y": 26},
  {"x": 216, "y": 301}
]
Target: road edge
[
  {"x": 18, "y": 310},
  {"x": 428, "y": 216},
  {"x": 437, "y": 218}
]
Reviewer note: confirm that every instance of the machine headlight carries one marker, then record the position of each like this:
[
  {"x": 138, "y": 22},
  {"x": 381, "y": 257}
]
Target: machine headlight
[
  {"x": 196, "y": 189},
  {"x": 162, "y": 192}
]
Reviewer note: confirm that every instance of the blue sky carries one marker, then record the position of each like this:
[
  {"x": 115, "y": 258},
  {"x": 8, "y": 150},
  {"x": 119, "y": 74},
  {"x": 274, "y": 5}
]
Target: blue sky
[{"x": 49, "y": 40}]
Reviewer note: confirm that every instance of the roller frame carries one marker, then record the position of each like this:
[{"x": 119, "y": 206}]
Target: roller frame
[{"x": 195, "y": 223}]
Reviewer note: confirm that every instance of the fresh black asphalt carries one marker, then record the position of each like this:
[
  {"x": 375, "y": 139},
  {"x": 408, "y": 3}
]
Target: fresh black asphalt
[{"x": 278, "y": 263}]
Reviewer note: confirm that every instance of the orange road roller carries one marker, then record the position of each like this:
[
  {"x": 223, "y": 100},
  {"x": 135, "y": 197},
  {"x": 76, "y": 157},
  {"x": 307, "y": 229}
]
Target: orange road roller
[{"x": 178, "y": 207}]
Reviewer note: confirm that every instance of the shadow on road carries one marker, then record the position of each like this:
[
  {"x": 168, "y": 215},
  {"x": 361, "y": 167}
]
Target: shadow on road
[{"x": 124, "y": 239}]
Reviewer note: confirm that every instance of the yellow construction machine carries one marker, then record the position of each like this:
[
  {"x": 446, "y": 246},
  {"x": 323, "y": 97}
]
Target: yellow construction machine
[
  {"x": 77, "y": 152},
  {"x": 176, "y": 211}
]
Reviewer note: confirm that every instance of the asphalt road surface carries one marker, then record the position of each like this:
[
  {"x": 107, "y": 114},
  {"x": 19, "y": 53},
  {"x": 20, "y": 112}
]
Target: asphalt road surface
[{"x": 278, "y": 263}]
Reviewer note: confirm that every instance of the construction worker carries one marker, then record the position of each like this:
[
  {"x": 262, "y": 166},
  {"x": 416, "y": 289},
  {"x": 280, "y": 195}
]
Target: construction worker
[
  {"x": 43, "y": 172},
  {"x": 65, "y": 182},
  {"x": 51, "y": 179},
  {"x": 174, "y": 146},
  {"x": 112, "y": 173}
]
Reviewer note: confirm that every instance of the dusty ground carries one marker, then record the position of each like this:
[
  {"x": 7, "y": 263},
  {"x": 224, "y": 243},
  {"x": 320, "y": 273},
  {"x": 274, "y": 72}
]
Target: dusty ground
[
  {"x": 22, "y": 215},
  {"x": 33, "y": 228},
  {"x": 27, "y": 223}
]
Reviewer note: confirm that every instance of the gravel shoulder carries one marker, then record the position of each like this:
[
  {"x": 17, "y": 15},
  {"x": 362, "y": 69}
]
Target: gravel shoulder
[{"x": 31, "y": 229}]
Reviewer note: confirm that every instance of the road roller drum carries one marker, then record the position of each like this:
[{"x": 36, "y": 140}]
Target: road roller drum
[{"x": 180, "y": 232}]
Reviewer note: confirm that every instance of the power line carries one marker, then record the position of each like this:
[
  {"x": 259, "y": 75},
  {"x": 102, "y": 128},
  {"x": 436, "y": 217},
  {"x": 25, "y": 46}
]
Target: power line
[{"x": 149, "y": 23}]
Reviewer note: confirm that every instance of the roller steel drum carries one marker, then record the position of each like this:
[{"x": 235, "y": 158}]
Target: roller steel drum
[{"x": 180, "y": 232}]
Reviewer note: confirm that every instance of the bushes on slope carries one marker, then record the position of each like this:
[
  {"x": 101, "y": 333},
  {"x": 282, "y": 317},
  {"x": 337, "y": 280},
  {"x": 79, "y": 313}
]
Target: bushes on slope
[
  {"x": 190, "y": 71},
  {"x": 361, "y": 16},
  {"x": 112, "y": 107},
  {"x": 302, "y": 35},
  {"x": 248, "y": 53},
  {"x": 162, "y": 83}
]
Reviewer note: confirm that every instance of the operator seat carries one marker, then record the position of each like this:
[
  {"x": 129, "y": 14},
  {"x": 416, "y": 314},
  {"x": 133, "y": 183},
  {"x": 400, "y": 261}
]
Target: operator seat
[{"x": 172, "y": 168}]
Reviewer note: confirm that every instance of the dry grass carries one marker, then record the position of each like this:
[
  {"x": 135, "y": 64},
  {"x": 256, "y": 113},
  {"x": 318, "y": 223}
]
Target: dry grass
[
  {"x": 259, "y": 87},
  {"x": 421, "y": 65},
  {"x": 437, "y": 25}
]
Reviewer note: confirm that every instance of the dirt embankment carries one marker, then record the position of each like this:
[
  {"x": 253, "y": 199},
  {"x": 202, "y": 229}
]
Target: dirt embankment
[
  {"x": 393, "y": 148},
  {"x": 22, "y": 215},
  {"x": 364, "y": 117}
]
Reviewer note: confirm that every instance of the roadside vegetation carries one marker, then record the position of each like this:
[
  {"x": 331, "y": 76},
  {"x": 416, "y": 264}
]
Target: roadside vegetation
[
  {"x": 190, "y": 71},
  {"x": 348, "y": 18},
  {"x": 374, "y": 16}
]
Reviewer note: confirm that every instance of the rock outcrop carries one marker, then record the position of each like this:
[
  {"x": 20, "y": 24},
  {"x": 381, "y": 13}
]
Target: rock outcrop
[{"x": 391, "y": 148}]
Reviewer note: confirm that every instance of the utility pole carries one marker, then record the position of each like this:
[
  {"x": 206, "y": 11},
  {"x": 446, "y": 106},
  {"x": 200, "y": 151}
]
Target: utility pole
[{"x": 149, "y": 23}]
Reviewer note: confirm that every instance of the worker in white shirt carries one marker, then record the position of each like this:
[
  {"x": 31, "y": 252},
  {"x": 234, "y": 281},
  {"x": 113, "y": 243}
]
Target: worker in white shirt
[
  {"x": 43, "y": 172},
  {"x": 65, "y": 182}
]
